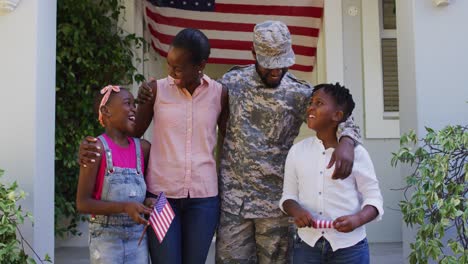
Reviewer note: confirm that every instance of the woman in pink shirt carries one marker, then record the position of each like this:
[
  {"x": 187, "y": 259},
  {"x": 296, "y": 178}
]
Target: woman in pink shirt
[{"x": 186, "y": 108}]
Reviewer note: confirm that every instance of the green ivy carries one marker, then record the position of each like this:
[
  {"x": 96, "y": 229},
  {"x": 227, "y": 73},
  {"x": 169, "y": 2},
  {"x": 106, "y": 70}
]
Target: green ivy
[
  {"x": 11, "y": 217},
  {"x": 437, "y": 193},
  {"x": 92, "y": 51}
]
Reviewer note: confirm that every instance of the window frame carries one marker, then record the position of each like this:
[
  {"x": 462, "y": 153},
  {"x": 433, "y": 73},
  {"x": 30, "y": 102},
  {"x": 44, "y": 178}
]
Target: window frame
[{"x": 378, "y": 123}]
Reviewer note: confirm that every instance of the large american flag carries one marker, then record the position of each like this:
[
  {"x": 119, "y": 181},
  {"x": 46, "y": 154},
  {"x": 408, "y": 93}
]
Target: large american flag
[
  {"x": 229, "y": 25},
  {"x": 161, "y": 217}
]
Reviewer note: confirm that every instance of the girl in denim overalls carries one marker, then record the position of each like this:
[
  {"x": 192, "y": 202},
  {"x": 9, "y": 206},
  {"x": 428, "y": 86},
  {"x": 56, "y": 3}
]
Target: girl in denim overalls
[{"x": 113, "y": 188}]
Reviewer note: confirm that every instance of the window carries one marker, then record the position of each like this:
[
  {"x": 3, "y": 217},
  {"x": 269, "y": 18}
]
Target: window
[
  {"x": 380, "y": 68},
  {"x": 389, "y": 58}
]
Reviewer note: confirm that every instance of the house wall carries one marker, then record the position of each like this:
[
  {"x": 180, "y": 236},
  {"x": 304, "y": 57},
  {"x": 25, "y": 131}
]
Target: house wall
[
  {"x": 389, "y": 229},
  {"x": 27, "y": 82},
  {"x": 435, "y": 64},
  {"x": 433, "y": 67}
]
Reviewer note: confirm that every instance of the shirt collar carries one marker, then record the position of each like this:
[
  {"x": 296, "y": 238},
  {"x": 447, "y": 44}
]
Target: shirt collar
[
  {"x": 320, "y": 143},
  {"x": 204, "y": 80}
]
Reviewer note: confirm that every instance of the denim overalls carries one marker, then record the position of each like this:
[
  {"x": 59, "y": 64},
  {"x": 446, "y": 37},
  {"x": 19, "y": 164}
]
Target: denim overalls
[{"x": 114, "y": 238}]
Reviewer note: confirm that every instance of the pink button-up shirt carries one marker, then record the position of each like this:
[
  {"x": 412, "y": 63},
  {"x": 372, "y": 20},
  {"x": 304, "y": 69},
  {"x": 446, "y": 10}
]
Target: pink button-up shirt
[{"x": 182, "y": 159}]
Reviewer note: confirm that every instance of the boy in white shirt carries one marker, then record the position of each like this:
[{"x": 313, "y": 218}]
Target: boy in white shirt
[{"x": 311, "y": 195}]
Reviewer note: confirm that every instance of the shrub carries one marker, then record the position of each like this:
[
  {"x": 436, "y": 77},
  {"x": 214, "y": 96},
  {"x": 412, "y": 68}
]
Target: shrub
[
  {"x": 11, "y": 216},
  {"x": 437, "y": 193}
]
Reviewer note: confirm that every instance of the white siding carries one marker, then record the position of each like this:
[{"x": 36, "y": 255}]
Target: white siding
[{"x": 27, "y": 80}]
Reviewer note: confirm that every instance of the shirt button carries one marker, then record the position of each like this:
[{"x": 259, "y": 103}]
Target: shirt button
[
  {"x": 320, "y": 193},
  {"x": 323, "y": 232},
  {"x": 321, "y": 172},
  {"x": 323, "y": 153},
  {"x": 320, "y": 213}
]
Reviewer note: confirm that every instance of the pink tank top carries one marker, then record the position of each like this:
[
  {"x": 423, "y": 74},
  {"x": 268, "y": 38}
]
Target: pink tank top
[{"x": 123, "y": 157}]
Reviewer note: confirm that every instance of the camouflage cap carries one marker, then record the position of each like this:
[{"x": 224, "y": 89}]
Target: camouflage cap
[{"x": 272, "y": 45}]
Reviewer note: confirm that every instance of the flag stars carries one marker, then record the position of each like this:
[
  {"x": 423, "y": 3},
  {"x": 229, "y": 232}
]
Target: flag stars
[
  {"x": 196, "y": 3},
  {"x": 209, "y": 4},
  {"x": 184, "y": 2}
]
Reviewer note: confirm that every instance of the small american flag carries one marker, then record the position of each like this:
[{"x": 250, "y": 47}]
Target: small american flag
[
  {"x": 229, "y": 25},
  {"x": 322, "y": 224},
  {"x": 161, "y": 217}
]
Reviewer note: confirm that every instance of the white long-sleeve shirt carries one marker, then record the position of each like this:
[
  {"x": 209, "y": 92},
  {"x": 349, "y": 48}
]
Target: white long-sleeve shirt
[{"x": 307, "y": 181}]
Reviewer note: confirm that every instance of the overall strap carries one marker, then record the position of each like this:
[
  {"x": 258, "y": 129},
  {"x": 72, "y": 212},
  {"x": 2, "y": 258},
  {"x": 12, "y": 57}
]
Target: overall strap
[
  {"x": 107, "y": 150},
  {"x": 138, "y": 154}
]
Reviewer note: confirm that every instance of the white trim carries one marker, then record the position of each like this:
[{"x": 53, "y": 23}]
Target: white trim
[
  {"x": 388, "y": 34},
  {"x": 376, "y": 125},
  {"x": 333, "y": 33},
  {"x": 391, "y": 115}
]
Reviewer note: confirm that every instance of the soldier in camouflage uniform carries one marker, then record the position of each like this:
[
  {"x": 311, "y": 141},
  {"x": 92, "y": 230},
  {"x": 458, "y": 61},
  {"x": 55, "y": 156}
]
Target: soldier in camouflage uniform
[{"x": 267, "y": 107}]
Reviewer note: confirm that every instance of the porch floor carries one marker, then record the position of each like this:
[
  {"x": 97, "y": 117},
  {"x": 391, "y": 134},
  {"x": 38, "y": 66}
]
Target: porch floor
[{"x": 381, "y": 253}]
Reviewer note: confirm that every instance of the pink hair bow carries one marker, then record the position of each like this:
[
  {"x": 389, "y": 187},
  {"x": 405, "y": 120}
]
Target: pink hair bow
[{"x": 107, "y": 92}]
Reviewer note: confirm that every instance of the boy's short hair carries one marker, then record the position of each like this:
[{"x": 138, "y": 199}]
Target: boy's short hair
[{"x": 341, "y": 94}]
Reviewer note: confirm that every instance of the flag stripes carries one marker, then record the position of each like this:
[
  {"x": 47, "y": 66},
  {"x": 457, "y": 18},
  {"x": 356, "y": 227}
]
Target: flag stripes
[
  {"x": 229, "y": 27},
  {"x": 323, "y": 224},
  {"x": 161, "y": 217}
]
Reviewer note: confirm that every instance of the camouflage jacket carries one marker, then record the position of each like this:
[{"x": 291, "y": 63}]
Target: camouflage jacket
[{"x": 262, "y": 126}]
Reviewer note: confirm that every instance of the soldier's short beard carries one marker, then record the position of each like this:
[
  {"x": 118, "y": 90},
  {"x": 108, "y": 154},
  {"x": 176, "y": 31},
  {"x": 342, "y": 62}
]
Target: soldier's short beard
[{"x": 264, "y": 77}]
